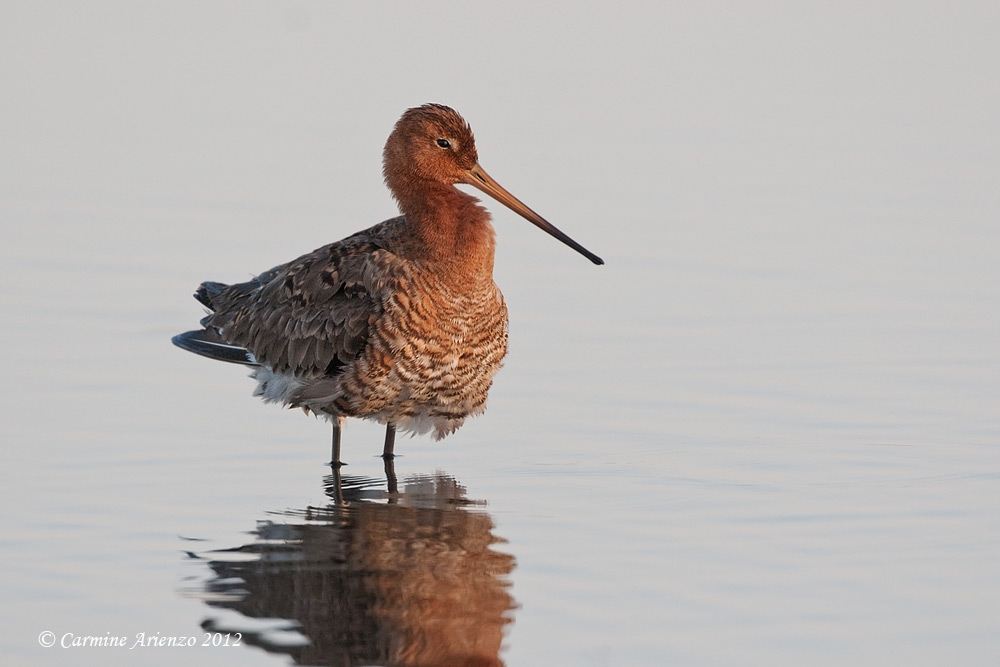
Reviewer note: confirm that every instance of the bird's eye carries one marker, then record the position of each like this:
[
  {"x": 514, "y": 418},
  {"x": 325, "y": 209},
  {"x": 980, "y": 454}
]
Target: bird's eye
[{"x": 444, "y": 143}]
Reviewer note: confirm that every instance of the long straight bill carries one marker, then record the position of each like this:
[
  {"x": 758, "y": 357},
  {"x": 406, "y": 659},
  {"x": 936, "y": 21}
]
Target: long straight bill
[{"x": 481, "y": 180}]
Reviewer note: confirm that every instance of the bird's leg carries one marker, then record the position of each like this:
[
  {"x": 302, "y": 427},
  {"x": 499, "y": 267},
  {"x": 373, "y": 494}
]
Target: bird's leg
[
  {"x": 390, "y": 441},
  {"x": 338, "y": 423},
  {"x": 390, "y": 480},
  {"x": 338, "y": 487}
]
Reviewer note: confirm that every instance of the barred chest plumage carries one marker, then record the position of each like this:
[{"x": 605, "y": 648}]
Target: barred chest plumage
[{"x": 431, "y": 356}]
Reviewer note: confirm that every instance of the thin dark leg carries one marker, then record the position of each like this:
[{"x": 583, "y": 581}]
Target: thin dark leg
[
  {"x": 390, "y": 441},
  {"x": 335, "y": 460},
  {"x": 338, "y": 487},
  {"x": 390, "y": 479}
]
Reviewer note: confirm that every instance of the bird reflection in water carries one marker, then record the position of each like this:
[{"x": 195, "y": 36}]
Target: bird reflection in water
[{"x": 406, "y": 576}]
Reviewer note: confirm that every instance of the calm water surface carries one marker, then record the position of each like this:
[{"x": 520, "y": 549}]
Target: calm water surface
[{"x": 766, "y": 432}]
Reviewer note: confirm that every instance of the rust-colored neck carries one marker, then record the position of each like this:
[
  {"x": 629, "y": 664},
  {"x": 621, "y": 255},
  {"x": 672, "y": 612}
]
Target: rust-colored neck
[{"x": 453, "y": 229}]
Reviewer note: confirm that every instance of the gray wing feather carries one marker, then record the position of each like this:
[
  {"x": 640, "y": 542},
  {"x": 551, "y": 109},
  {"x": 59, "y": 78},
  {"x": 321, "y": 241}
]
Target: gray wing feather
[{"x": 310, "y": 316}]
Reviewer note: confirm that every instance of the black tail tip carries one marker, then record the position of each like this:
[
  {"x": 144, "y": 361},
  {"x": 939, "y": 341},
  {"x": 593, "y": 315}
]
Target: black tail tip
[{"x": 206, "y": 343}]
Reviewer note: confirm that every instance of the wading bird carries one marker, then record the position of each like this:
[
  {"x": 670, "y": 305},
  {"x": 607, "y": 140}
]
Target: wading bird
[{"x": 400, "y": 323}]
